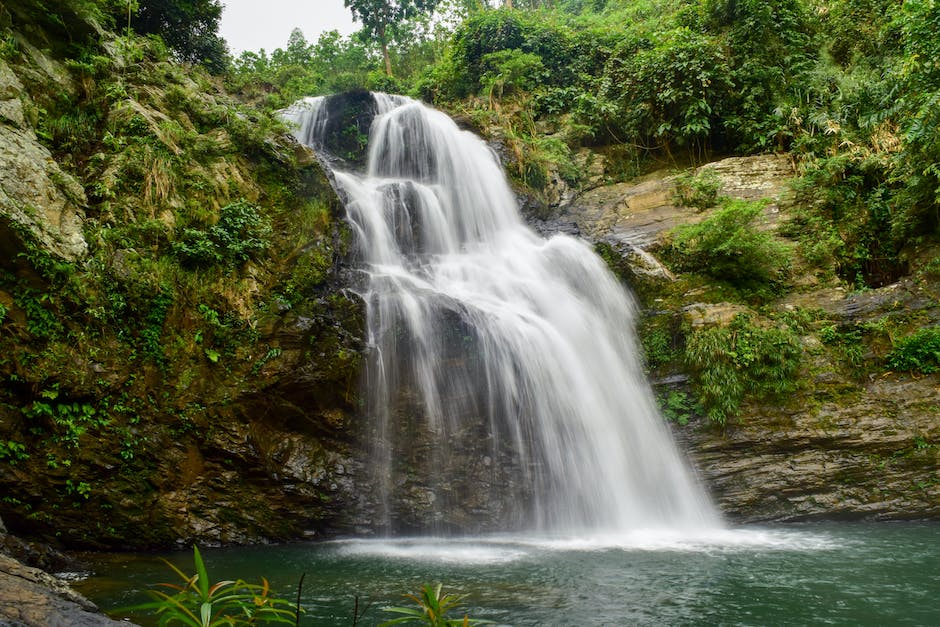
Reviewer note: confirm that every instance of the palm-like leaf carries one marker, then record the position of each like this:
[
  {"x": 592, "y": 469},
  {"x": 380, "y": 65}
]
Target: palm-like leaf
[
  {"x": 432, "y": 610},
  {"x": 198, "y": 602}
]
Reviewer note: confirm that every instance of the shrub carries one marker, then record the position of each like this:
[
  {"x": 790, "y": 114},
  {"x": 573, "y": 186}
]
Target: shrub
[
  {"x": 919, "y": 352},
  {"x": 728, "y": 247},
  {"x": 508, "y": 71},
  {"x": 198, "y": 602},
  {"x": 851, "y": 218},
  {"x": 240, "y": 234},
  {"x": 189, "y": 27},
  {"x": 848, "y": 343},
  {"x": 740, "y": 360},
  {"x": 770, "y": 50},
  {"x": 495, "y": 31},
  {"x": 699, "y": 191},
  {"x": 668, "y": 93},
  {"x": 659, "y": 347},
  {"x": 678, "y": 407}
]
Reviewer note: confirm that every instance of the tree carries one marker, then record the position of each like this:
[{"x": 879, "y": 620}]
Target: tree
[
  {"x": 189, "y": 27},
  {"x": 380, "y": 18}
]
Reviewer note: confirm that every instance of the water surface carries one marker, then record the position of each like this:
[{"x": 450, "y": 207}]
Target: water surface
[{"x": 814, "y": 574}]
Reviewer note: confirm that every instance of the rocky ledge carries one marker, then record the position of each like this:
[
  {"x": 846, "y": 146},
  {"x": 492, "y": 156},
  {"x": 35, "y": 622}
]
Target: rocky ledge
[
  {"x": 32, "y": 598},
  {"x": 855, "y": 440}
]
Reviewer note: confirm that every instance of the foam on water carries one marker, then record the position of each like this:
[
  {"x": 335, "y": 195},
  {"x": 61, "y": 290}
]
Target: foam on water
[{"x": 505, "y": 549}]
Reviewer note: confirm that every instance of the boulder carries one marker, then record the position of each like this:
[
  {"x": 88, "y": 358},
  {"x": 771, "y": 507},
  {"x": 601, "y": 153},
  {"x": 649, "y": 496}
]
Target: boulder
[{"x": 32, "y": 598}]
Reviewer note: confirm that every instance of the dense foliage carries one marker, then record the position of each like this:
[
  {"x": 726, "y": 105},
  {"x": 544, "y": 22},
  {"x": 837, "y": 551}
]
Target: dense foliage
[
  {"x": 199, "y": 223},
  {"x": 189, "y": 28},
  {"x": 728, "y": 246},
  {"x": 742, "y": 359},
  {"x": 848, "y": 85}
]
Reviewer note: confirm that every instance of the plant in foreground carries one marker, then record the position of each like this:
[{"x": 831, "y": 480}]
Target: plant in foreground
[
  {"x": 432, "y": 610},
  {"x": 199, "y": 603}
]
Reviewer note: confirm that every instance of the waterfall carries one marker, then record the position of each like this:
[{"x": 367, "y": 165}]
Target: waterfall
[{"x": 504, "y": 389}]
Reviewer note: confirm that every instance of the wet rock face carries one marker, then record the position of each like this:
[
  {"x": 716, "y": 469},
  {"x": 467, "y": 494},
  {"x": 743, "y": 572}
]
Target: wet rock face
[
  {"x": 266, "y": 458},
  {"x": 471, "y": 484},
  {"x": 869, "y": 456},
  {"x": 349, "y": 119},
  {"x": 33, "y": 598},
  {"x": 847, "y": 444}
]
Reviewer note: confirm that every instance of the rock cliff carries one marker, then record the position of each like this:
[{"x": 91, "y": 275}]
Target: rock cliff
[
  {"x": 179, "y": 346},
  {"x": 855, "y": 440}
]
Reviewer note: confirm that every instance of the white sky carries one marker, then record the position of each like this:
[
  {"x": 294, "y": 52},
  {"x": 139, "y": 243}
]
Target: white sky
[{"x": 256, "y": 24}]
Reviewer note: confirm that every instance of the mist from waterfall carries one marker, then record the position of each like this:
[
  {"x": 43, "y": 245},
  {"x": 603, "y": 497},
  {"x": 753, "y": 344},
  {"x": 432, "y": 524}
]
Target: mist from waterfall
[{"x": 511, "y": 358}]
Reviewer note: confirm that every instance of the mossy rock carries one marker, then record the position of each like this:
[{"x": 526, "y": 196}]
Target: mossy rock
[{"x": 349, "y": 118}]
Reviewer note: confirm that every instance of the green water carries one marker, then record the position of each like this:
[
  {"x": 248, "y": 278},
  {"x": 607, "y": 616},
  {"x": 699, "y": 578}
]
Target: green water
[{"x": 832, "y": 574}]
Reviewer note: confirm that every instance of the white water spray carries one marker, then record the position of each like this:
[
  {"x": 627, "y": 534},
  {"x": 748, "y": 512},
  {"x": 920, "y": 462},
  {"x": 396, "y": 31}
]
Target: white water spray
[{"x": 517, "y": 352}]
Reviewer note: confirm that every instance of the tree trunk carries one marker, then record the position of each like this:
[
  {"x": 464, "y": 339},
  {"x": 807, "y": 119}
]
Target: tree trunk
[
  {"x": 388, "y": 59},
  {"x": 507, "y": 4}
]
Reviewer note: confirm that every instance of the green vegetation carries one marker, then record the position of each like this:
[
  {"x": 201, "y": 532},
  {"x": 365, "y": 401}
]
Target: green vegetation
[
  {"x": 12, "y": 452},
  {"x": 848, "y": 343},
  {"x": 918, "y": 352},
  {"x": 210, "y": 243},
  {"x": 240, "y": 234},
  {"x": 697, "y": 190},
  {"x": 432, "y": 610},
  {"x": 741, "y": 360},
  {"x": 67, "y": 421},
  {"x": 200, "y": 602},
  {"x": 196, "y": 212},
  {"x": 678, "y": 407},
  {"x": 728, "y": 246},
  {"x": 659, "y": 347},
  {"x": 197, "y": 601},
  {"x": 380, "y": 19},
  {"x": 189, "y": 28},
  {"x": 842, "y": 85}
]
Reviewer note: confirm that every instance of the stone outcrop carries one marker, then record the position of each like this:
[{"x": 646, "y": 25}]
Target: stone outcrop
[
  {"x": 845, "y": 445},
  {"x": 32, "y": 598},
  {"x": 868, "y": 455},
  {"x": 639, "y": 212},
  {"x": 35, "y": 193}
]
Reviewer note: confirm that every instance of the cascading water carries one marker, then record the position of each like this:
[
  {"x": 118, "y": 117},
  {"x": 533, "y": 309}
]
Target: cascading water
[{"x": 503, "y": 383}]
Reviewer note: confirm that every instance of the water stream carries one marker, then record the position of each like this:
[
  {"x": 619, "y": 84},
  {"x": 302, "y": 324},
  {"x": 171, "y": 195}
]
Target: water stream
[{"x": 510, "y": 358}]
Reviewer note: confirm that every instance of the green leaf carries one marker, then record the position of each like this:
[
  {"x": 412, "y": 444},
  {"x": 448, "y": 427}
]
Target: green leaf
[{"x": 202, "y": 574}]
